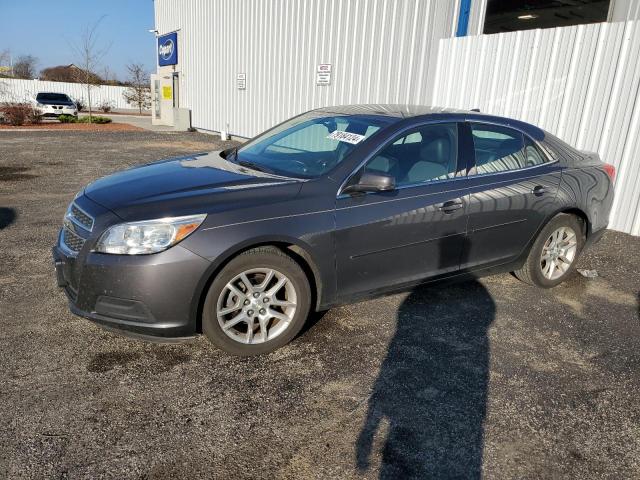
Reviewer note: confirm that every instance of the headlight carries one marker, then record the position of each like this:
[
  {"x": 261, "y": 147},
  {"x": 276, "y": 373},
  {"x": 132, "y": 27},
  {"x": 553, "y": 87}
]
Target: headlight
[{"x": 150, "y": 236}]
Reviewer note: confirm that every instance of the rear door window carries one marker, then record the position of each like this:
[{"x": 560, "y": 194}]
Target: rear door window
[{"x": 498, "y": 149}]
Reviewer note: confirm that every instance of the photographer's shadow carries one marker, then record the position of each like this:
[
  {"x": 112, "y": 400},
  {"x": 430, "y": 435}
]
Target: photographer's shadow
[{"x": 431, "y": 392}]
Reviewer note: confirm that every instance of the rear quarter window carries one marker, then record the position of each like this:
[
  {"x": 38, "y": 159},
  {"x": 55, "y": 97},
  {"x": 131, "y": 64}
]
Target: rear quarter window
[{"x": 502, "y": 149}]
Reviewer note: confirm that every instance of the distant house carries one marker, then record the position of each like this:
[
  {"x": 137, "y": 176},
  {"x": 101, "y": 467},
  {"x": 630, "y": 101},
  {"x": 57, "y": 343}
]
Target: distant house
[{"x": 68, "y": 73}]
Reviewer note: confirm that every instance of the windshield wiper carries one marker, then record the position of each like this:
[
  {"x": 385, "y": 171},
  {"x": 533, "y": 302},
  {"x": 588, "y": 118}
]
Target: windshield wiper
[{"x": 252, "y": 165}]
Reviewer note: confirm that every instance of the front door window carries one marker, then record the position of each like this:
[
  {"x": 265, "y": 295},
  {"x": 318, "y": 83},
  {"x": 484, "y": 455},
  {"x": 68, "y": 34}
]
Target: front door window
[{"x": 423, "y": 155}]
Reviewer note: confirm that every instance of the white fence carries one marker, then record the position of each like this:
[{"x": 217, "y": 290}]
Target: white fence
[
  {"x": 18, "y": 90},
  {"x": 581, "y": 83}
]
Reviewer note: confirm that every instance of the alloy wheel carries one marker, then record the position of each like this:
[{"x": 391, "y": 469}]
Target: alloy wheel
[
  {"x": 256, "y": 306},
  {"x": 558, "y": 253}
]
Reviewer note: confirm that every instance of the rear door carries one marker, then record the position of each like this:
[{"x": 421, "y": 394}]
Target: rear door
[
  {"x": 512, "y": 189},
  {"x": 411, "y": 233}
]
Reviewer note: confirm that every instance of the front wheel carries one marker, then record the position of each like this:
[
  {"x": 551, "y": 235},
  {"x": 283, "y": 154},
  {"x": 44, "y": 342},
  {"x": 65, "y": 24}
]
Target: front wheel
[
  {"x": 554, "y": 253},
  {"x": 257, "y": 303}
]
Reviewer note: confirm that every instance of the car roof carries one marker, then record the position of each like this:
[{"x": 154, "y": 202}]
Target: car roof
[
  {"x": 388, "y": 110},
  {"x": 408, "y": 111}
]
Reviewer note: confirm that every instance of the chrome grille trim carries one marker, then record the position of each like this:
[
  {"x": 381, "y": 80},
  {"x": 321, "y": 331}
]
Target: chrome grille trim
[
  {"x": 71, "y": 241},
  {"x": 81, "y": 218}
]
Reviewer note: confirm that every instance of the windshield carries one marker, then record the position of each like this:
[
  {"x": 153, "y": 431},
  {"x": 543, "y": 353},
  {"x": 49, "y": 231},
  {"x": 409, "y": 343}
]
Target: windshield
[
  {"x": 52, "y": 97},
  {"x": 309, "y": 145}
]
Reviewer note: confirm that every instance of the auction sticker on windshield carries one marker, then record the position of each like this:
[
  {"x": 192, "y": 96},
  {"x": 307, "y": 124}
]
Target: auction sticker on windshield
[{"x": 346, "y": 137}]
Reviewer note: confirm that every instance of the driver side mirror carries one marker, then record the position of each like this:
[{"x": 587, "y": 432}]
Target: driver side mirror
[
  {"x": 372, "y": 182},
  {"x": 227, "y": 152}
]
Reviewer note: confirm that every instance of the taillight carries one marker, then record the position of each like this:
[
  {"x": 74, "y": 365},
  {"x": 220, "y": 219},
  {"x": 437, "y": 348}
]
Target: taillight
[{"x": 611, "y": 171}]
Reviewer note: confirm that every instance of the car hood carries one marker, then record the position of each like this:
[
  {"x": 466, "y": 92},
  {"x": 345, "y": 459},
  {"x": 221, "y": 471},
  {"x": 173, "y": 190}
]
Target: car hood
[{"x": 182, "y": 185}]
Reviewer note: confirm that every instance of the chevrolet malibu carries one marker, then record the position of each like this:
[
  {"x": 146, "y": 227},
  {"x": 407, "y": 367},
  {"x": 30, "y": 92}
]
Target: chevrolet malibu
[{"x": 332, "y": 206}]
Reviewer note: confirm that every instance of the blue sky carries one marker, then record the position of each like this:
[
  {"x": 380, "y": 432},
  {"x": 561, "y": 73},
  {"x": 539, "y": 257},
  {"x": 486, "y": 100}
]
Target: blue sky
[{"x": 45, "y": 28}]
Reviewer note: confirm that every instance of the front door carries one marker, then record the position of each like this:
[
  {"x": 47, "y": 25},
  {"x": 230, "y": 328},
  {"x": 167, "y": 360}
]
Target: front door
[
  {"x": 413, "y": 232},
  {"x": 512, "y": 187},
  {"x": 164, "y": 104}
]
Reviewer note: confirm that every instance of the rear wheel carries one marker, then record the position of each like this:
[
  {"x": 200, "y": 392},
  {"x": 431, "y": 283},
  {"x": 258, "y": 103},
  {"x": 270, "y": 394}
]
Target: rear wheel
[
  {"x": 553, "y": 256},
  {"x": 257, "y": 303}
]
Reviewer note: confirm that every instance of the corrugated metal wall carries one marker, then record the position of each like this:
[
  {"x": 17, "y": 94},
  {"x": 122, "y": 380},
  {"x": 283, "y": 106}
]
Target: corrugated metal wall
[
  {"x": 621, "y": 10},
  {"x": 12, "y": 89},
  {"x": 476, "y": 17},
  {"x": 581, "y": 83},
  {"x": 380, "y": 51}
]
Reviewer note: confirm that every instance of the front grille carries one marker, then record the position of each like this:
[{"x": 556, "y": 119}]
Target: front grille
[
  {"x": 76, "y": 223},
  {"x": 71, "y": 293},
  {"x": 80, "y": 218},
  {"x": 71, "y": 240}
]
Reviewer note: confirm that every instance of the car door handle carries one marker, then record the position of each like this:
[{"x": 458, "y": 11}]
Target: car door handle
[
  {"x": 451, "y": 206},
  {"x": 539, "y": 190}
]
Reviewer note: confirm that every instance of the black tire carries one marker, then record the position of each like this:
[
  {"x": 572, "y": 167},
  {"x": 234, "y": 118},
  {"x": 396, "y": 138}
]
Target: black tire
[
  {"x": 262, "y": 257},
  {"x": 531, "y": 271}
]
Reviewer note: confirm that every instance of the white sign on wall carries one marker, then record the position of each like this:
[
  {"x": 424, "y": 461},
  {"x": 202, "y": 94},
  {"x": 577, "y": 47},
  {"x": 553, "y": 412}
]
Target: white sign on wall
[
  {"x": 241, "y": 81},
  {"x": 323, "y": 74}
]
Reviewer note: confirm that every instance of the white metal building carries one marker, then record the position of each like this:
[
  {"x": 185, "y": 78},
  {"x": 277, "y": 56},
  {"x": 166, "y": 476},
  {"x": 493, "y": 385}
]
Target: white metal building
[{"x": 569, "y": 66}]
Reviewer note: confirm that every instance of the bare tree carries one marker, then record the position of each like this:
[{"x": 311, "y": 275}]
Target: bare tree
[
  {"x": 139, "y": 91},
  {"x": 25, "y": 67},
  {"x": 89, "y": 52},
  {"x": 106, "y": 74},
  {"x": 109, "y": 76}
]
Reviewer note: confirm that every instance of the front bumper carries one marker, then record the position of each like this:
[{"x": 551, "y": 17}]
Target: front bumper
[
  {"x": 145, "y": 296},
  {"x": 51, "y": 111}
]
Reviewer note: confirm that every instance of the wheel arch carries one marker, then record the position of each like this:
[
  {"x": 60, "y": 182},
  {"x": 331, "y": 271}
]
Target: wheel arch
[
  {"x": 577, "y": 212},
  {"x": 295, "y": 248},
  {"x": 523, "y": 267}
]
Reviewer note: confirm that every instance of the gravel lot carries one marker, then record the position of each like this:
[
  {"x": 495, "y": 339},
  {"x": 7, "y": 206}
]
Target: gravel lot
[{"x": 490, "y": 378}]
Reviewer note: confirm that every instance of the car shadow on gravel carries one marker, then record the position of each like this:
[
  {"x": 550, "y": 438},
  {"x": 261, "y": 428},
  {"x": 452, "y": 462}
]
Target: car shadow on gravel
[
  {"x": 431, "y": 392},
  {"x": 7, "y": 217}
]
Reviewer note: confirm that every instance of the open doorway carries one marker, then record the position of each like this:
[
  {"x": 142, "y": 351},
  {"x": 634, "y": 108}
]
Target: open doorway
[
  {"x": 176, "y": 89},
  {"x": 511, "y": 15}
]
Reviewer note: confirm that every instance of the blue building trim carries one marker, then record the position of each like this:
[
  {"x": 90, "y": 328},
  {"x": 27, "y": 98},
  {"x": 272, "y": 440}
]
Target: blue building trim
[{"x": 463, "y": 18}]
